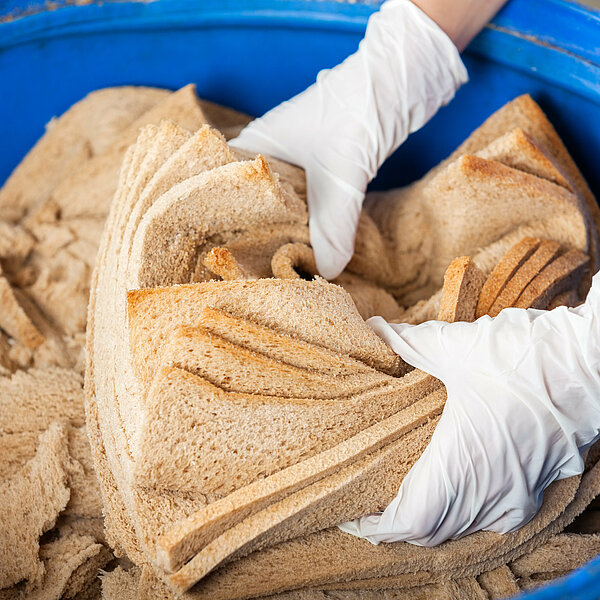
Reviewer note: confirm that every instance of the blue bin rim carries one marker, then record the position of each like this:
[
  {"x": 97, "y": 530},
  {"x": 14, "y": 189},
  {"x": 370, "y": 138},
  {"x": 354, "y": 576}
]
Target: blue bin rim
[
  {"x": 520, "y": 36},
  {"x": 528, "y": 35}
]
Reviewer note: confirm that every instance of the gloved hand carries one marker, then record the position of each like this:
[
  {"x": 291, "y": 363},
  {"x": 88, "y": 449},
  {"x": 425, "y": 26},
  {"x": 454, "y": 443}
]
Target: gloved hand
[
  {"x": 342, "y": 128},
  {"x": 523, "y": 404}
]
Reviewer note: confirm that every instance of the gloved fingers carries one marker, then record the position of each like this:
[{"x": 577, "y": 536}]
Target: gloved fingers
[
  {"x": 334, "y": 209},
  {"x": 461, "y": 483},
  {"x": 284, "y": 132},
  {"x": 436, "y": 347},
  {"x": 334, "y": 204},
  {"x": 418, "y": 511},
  {"x": 254, "y": 138}
]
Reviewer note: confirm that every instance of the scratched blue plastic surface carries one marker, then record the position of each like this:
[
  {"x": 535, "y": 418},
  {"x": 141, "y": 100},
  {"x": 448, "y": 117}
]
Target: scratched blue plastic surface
[{"x": 252, "y": 54}]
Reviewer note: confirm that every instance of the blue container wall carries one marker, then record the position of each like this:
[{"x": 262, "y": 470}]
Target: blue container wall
[{"x": 252, "y": 54}]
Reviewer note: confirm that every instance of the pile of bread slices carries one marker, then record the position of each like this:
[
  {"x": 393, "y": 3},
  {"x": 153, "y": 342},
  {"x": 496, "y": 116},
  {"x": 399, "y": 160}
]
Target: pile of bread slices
[{"x": 238, "y": 407}]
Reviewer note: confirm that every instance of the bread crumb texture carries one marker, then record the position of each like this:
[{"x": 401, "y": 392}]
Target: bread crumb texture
[{"x": 236, "y": 406}]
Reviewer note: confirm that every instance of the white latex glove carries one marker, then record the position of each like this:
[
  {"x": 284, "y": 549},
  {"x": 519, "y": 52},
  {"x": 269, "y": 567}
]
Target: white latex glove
[
  {"x": 343, "y": 127},
  {"x": 523, "y": 404}
]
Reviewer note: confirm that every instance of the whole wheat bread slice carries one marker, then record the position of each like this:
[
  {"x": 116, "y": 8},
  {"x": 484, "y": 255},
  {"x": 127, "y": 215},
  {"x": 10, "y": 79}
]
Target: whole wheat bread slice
[
  {"x": 463, "y": 283},
  {"x": 165, "y": 255},
  {"x": 519, "y": 150},
  {"x": 503, "y": 272}
]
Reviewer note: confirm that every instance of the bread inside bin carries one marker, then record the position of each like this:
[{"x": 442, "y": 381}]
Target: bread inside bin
[{"x": 237, "y": 405}]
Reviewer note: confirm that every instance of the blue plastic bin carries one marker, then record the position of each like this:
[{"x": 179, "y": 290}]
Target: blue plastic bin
[{"x": 252, "y": 54}]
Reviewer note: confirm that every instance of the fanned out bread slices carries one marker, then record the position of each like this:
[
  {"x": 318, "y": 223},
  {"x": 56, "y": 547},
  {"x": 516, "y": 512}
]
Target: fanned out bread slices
[
  {"x": 234, "y": 417},
  {"x": 559, "y": 555},
  {"x": 512, "y": 174}
]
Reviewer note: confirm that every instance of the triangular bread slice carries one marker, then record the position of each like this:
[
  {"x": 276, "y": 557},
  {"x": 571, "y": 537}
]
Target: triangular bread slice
[
  {"x": 169, "y": 236},
  {"x": 242, "y": 369},
  {"x": 364, "y": 486},
  {"x": 317, "y": 312},
  {"x": 524, "y": 113},
  {"x": 519, "y": 150},
  {"x": 182, "y": 541},
  {"x": 267, "y": 341}
]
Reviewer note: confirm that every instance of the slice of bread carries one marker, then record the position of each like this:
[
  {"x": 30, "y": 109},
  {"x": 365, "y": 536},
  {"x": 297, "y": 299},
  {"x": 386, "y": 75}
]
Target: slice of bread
[
  {"x": 523, "y": 112},
  {"x": 503, "y": 272},
  {"x": 463, "y": 282},
  {"x": 560, "y": 275},
  {"x": 175, "y": 228},
  {"x": 475, "y": 201},
  {"x": 546, "y": 252},
  {"x": 182, "y": 541},
  {"x": 520, "y": 151}
]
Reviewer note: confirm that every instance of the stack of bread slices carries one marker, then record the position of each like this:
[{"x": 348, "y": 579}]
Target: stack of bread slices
[{"x": 239, "y": 408}]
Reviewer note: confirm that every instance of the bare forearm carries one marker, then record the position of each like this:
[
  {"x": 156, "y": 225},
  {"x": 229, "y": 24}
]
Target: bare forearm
[{"x": 462, "y": 20}]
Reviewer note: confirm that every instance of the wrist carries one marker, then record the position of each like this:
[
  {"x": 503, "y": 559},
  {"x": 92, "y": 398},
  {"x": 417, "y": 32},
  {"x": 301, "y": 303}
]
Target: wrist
[{"x": 461, "y": 20}]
